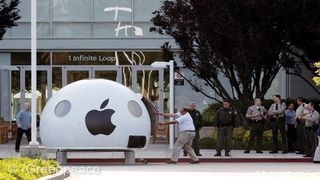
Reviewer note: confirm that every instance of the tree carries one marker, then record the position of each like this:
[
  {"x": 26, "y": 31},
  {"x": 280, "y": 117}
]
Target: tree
[
  {"x": 316, "y": 78},
  {"x": 247, "y": 42},
  {"x": 9, "y": 14}
]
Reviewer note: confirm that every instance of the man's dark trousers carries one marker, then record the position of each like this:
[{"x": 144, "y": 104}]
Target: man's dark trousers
[
  {"x": 224, "y": 138},
  {"x": 20, "y": 134},
  {"x": 291, "y": 136},
  {"x": 311, "y": 140},
  {"x": 301, "y": 137},
  {"x": 257, "y": 128},
  {"x": 278, "y": 124}
]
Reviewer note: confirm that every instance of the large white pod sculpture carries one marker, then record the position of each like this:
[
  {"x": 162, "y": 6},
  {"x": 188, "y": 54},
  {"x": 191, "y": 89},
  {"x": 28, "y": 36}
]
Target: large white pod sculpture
[{"x": 96, "y": 113}]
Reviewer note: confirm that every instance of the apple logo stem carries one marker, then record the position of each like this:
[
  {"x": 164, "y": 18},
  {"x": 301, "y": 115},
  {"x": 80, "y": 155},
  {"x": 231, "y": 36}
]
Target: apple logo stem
[{"x": 99, "y": 122}]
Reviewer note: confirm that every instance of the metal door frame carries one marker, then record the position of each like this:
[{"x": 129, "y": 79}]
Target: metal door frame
[
  {"x": 65, "y": 70},
  {"x": 108, "y": 68},
  {"x": 135, "y": 69},
  {"x": 23, "y": 70}
]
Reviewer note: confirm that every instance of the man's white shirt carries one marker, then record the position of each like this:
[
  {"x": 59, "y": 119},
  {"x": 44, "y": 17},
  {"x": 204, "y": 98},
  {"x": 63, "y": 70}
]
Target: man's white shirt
[{"x": 185, "y": 122}]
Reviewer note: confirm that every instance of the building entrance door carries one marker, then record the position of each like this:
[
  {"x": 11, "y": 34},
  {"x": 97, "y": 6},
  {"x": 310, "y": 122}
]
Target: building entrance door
[{"x": 21, "y": 88}]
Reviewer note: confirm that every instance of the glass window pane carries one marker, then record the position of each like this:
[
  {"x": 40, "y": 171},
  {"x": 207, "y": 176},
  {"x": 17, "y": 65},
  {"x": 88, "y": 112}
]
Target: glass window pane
[
  {"x": 25, "y": 10},
  {"x": 71, "y": 10},
  {"x": 143, "y": 9},
  {"x": 112, "y": 30},
  {"x": 124, "y": 13},
  {"x": 24, "y": 58},
  {"x": 43, "y": 29},
  {"x": 43, "y": 10},
  {"x": 21, "y": 30},
  {"x": 71, "y": 29}
]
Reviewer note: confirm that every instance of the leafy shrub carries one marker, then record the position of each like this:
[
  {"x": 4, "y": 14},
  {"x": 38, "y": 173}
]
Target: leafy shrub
[
  {"x": 25, "y": 168},
  {"x": 209, "y": 113},
  {"x": 240, "y": 139}
]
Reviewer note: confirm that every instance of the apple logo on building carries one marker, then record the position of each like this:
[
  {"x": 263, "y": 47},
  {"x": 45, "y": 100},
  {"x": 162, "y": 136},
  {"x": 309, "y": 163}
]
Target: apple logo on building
[{"x": 99, "y": 122}]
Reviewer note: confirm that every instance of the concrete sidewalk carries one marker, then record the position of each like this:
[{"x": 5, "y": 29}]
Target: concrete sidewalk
[{"x": 160, "y": 152}]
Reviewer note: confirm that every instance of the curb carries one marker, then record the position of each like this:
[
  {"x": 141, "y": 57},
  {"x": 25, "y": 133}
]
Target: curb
[
  {"x": 60, "y": 175},
  {"x": 186, "y": 160}
]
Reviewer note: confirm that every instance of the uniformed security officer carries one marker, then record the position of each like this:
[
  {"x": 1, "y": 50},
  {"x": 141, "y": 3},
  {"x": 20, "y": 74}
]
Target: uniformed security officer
[
  {"x": 277, "y": 123},
  {"x": 301, "y": 135},
  {"x": 197, "y": 122},
  {"x": 224, "y": 121},
  {"x": 311, "y": 119},
  {"x": 256, "y": 114}
]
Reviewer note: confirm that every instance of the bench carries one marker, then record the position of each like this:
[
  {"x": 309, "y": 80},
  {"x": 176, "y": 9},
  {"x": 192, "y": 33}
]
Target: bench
[{"x": 61, "y": 154}]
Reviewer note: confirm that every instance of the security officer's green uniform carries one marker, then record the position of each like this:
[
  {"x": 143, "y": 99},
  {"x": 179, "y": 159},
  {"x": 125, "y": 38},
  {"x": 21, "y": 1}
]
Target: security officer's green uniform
[
  {"x": 311, "y": 123},
  {"x": 257, "y": 126},
  {"x": 277, "y": 123},
  {"x": 197, "y": 122},
  {"x": 225, "y": 122},
  {"x": 301, "y": 134}
]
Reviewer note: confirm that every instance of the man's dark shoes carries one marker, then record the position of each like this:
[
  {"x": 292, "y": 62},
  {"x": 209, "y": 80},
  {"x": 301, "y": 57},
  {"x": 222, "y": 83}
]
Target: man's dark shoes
[
  {"x": 171, "y": 162},
  {"x": 308, "y": 155},
  {"x": 184, "y": 154},
  {"x": 198, "y": 154},
  {"x": 227, "y": 154},
  {"x": 259, "y": 152},
  {"x": 246, "y": 152},
  {"x": 300, "y": 152},
  {"x": 218, "y": 154},
  {"x": 284, "y": 152},
  {"x": 194, "y": 162},
  {"x": 273, "y": 152}
]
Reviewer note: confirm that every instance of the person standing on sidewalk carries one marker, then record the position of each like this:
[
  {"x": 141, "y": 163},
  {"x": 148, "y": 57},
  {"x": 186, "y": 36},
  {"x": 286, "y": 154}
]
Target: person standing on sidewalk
[
  {"x": 311, "y": 118},
  {"x": 186, "y": 135},
  {"x": 256, "y": 115},
  {"x": 301, "y": 134},
  {"x": 224, "y": 122},
  {"x": 290, "y": 115},
  {"x": 277, "y": 123},
  {"x": 197, "y": 122},
  {"x": 23, "y": 120}
]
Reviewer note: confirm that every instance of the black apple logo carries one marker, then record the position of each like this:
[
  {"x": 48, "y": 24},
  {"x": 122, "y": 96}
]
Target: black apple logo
[{"x": 99, "y": 122}]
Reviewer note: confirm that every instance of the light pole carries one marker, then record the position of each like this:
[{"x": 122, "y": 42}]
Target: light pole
[
  {"x": 161, "y": 64},
  {"x": 34, "y": 141}
]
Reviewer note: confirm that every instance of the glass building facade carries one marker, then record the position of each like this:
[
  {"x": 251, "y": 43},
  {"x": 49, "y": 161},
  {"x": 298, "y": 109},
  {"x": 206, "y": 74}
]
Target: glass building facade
[{"x": 79, "y": 39}]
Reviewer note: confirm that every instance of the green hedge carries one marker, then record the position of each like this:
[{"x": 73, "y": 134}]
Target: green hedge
[
  {"x": 25, "y": 168},
  {"x": 240, "y": 139}
]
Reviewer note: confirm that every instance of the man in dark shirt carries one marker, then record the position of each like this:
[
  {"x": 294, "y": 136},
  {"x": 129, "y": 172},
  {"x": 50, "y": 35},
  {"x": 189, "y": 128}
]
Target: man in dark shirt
[{"x": 224, "y": 121}]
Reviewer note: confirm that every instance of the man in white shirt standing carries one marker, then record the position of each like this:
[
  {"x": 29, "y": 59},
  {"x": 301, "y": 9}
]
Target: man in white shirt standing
[
  {"x": 301, "y": 134},
  {"x": 186, "y": 135}
]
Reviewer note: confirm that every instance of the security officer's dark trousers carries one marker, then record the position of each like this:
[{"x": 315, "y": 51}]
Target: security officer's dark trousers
[
  {"x": 301, "y": 137},
  {"x": 256, "y": 131},
  {"x": 224, "y": 138},
  {"x": 278, "y": 124},
  {"x": 311, "y": 140},
  {"x": 20, "y": 134}
]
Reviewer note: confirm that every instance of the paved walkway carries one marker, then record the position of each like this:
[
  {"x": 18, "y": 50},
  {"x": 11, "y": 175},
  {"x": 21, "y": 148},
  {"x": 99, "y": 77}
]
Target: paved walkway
[
  {"x": 152, "y": 151},
  {"x": 238, "y": 171}
]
